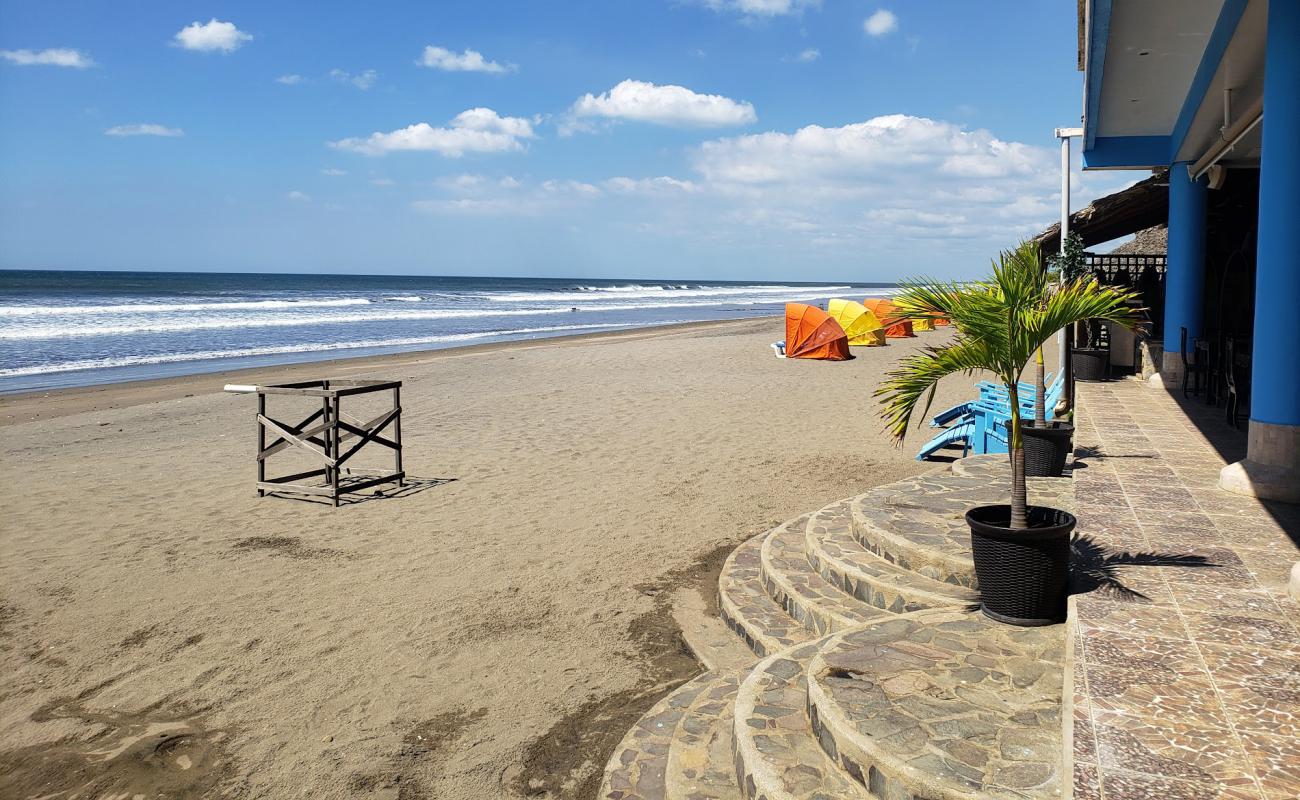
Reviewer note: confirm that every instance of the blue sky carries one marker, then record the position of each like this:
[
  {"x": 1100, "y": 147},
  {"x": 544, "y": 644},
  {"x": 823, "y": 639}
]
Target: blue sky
[{"x": 729, "y": 139}]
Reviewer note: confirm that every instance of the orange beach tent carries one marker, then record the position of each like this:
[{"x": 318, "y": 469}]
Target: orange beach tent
[
  {"x": 884, "y": 311},
  {"x": 811, "y": 333},
  {"x": 859, "y": 324}
]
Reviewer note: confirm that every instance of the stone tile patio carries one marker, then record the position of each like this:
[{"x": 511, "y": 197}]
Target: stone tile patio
[{"x": 1186, "y": 648}]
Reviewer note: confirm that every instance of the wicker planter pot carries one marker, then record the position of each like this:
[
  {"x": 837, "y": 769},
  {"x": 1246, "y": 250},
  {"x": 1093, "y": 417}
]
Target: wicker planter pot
[
  {"x": 1022, "y": 574},
  {"x": 1091, "y": 364},
  {"x": 1046, "y": 448}
]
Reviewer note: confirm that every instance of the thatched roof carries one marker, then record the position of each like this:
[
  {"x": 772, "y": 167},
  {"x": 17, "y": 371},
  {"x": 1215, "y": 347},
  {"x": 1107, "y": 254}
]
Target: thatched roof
[
  {"x": 1150, "y": 242},
  {"x": 1140, "y": 206}
]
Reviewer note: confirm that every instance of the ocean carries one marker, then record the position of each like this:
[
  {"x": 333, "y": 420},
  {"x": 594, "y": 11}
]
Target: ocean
[{"x": 63, "y": 328}]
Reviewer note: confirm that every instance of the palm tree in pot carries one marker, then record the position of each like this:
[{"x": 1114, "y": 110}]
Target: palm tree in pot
[
  {"x": 1047, "y": 444},
  {"x": 1021, "y": 552}
]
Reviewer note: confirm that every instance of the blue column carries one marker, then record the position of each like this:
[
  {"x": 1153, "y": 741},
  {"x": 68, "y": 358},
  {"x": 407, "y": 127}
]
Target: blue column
[
  {"x": 1272, "y": 465},
  {"x": 1185, "y": 278},
  {"x": 1276, "y": 374}
]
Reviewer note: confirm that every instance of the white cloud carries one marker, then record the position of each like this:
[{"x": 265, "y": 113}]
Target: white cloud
[
  {"x": 53, "y": 57},
  {"x": 649, "y": 186},
  {"x": 811, "y": 54},
  {"x": 469, "y": 183},
  {"x": 762, "y": 8},
  {"x": 289, "y": 80},
  {"x": 881, "y": 23},
  {"x": 212, "y": 35},
  {"x": 886, "y": 197},
  {"x": 333, "y": 173},
  {"x": 480, "y": 195},
  {"x": 462, "y": 183},
  {"x": 383, "y": 182},
  {"x": 882, "y": 146},
  {"x": 478, "y": 130},
  {"x": 578, "y": 188},
  {"x": 467, "y": 61},
  {"x": 891, "y": 184},
  {"x": 473, "y": 206},
  {"x": 361, "y": 80},
  {"x": 674, "y": 106},
  {"x": 299, "y": 197},
  {"x": 144, "y": 129}
]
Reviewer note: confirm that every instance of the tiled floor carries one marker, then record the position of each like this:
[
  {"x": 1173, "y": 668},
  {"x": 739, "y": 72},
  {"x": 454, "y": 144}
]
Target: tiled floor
[{"x": 1187, "y": 649}]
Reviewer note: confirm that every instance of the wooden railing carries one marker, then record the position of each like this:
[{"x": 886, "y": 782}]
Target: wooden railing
[{"x": 1144, "y": 274}]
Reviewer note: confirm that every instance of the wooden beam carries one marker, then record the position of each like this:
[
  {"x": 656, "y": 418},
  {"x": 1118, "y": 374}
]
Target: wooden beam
[
  {"x": 370, "y": 435},
  {"x": 285, "y": 434}
]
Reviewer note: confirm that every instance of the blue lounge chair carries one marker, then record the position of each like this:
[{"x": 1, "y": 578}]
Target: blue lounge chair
[
  {"x": 981, "y": 426},
  {"x": 993, "y": 392}
]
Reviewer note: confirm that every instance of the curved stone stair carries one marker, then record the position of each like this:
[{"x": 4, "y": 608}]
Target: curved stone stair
[
  {"x": 799, "y": 588},
  {"x": 700, "y": 764},
  {"x": 919, "y": 524},
  {"x": 746, "y": 606},
  {"x": 638, "y": 766},
  {"x": 876, "y": 678},
  {"x": 777, "y": 756},
  {"x": 833, "y": 548},
  {"x": 943, "y": 705}
]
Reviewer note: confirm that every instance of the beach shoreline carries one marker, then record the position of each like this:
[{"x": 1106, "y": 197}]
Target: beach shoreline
[{"x": 30, "y": 405}]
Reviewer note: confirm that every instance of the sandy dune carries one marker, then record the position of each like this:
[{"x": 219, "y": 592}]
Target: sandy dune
[{"x": 165, "y": 631}]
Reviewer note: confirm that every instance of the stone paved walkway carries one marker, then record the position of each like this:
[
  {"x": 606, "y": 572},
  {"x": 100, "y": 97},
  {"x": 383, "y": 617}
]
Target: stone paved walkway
[{"x": 1186, "y": 649}]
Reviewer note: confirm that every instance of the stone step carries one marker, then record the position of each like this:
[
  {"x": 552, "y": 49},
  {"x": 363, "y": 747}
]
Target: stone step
[
  {"x": 920, "y": 523},
  {"x": 997, "y": 467},
  {"x": 838, "y": 556},
  {"x": 943, "y": 704},
  {"x": 993, "y": 466},
  {"x": 700, "y": 763},
  {"x": 745, "y": 605},
  {"x": 705, "y": 634},
  {"x": 810, "y": 599},
  {"x": 639, "y": 763},
  {"x": 777, "y": 756}
]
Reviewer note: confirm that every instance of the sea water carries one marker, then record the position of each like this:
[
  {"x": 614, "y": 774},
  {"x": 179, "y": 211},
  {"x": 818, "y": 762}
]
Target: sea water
[{"x": 62, "y": 328}]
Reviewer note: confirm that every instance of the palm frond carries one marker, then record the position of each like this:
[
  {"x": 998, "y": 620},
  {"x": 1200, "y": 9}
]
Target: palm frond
[
  {"x": 919, "y": 373},
  {"x": 1001, "y": 323}
]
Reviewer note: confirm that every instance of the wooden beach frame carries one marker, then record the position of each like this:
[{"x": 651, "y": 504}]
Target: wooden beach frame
[{"x": 330, "y": 429}]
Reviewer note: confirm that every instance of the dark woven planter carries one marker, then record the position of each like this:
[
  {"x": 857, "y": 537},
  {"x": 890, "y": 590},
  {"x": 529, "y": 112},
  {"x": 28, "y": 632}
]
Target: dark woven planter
[
  {"x": 1046, "y": 448},
  {"x": 1023, "y": 574},
  {"x": 1091, "y": 364}
]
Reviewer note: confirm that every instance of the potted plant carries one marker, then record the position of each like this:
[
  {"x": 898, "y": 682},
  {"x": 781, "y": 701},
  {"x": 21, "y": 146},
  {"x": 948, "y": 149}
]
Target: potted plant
[
  {"x": 1048, "y": 444},
  {"x": 1091, "y": 361},
  {"x": 1021, "y": 552}
]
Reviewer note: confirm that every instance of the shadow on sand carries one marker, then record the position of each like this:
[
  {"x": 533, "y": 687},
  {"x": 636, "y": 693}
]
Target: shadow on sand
[{"x": 411, "y": 486}]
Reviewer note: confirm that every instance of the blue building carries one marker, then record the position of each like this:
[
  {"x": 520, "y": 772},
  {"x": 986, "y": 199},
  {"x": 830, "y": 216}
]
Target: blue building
[{"x": 1210, "y": 91}]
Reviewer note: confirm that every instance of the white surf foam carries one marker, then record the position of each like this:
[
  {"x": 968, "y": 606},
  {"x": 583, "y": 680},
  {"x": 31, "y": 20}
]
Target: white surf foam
[
  {"x": 590, "y": 294},
  {"x": 365, "y": 344},
  {"x": 170, "y": 308},
  {"x": 118, "y": 327}
]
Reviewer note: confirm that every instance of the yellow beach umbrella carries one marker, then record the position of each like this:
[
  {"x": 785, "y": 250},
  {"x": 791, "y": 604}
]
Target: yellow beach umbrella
[{"x": 862, "y": 327}]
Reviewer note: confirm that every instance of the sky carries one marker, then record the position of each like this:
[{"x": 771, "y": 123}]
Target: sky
[{"x": 723, "y": 139}]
